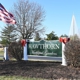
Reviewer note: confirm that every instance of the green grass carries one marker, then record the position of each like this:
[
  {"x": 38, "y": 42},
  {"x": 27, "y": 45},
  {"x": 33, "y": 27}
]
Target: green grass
[
  {"x": 18, "y": 78},
  {"x": 1, "y": 52}
]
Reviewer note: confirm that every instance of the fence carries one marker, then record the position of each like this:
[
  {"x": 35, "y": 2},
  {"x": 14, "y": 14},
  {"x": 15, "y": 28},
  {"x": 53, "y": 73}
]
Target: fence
[
  {"x": 46, "y": 50},
  {"x": 43, "y": 50}
]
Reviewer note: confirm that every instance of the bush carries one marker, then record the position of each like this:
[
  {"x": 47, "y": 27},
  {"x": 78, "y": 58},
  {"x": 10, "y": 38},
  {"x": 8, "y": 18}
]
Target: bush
[
  {"x": 72, "y": 53},
  {"x": 15, "y": 50}
]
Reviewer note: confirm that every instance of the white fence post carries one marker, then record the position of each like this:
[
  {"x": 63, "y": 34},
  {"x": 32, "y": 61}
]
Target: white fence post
[
  {"x": 6, "y": 53},
  {"x": 25, "y": 56},
  {"x": 64, "y": 63}
]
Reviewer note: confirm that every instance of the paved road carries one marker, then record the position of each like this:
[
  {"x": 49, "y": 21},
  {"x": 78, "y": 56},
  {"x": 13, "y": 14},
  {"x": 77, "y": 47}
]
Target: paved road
[{"x": 31, "y": 57}]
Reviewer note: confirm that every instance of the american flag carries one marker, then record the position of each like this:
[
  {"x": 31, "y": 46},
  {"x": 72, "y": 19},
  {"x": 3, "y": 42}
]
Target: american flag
[{"x": 6, "y": 16}]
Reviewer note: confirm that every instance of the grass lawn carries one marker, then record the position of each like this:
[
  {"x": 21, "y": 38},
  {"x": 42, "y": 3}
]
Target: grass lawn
[
  {"x": 1, "y": 51},
  {"x": 18, "y": 78}
]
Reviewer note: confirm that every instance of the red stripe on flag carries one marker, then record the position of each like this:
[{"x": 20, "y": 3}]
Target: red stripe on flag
[{"x": 6, "y": 16}]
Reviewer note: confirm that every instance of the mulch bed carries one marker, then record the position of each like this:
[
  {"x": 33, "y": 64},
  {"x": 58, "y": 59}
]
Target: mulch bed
[{"x": 38, "y": 69}]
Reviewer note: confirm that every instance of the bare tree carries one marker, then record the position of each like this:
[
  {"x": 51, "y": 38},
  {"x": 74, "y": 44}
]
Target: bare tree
[{"x": 29, "y": 17}]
